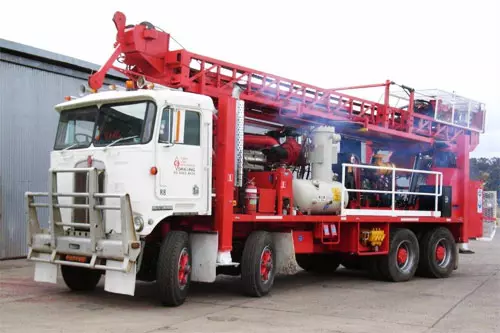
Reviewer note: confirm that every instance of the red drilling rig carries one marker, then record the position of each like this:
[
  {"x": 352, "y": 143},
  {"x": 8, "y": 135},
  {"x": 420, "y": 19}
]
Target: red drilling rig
[{"x": 245, "y": 169}]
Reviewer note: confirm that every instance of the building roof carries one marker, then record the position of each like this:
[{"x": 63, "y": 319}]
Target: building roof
[{"x": 30, "y": 52}]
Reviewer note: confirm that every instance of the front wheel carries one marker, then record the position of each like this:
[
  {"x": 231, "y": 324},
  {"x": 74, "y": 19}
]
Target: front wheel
[
  {"x": 258, "y": 264},
  {"x": 173, "y": 274}
]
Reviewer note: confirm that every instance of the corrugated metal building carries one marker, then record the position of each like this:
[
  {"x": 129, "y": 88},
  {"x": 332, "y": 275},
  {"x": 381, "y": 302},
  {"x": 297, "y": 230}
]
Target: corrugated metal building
[{"x": 32, "y": 81}]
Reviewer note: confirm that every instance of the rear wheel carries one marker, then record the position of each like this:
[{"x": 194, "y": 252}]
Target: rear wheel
[
  {"x": 258, "y": 264},
  {"x": 401, "y": 263},
  {"x": 317, "y": 262},
  {"x": 80, "y": 278},
  {"x": 438, "y": 253},
  {"x": 173, "y": 274}
]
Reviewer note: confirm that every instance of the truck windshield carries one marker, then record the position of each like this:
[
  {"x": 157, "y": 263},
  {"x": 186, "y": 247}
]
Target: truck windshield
[
  {"x": 123, "y": 121},
  {"x": 76, "y": 127},
  {"x": 117, "y": 124}
]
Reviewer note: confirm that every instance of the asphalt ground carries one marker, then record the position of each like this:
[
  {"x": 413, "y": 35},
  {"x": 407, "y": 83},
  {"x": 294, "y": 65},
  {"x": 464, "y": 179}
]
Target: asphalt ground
[{"x": 348, "y": 301}]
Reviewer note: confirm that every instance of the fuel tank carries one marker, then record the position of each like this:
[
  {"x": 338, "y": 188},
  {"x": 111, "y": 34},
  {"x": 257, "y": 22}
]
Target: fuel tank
[{"x": 318, "y": 197}]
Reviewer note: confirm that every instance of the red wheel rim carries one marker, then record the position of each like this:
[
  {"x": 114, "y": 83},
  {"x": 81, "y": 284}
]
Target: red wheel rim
[
  {"x": 405, "y": 257},
  {"x": 402, "y": 256},
  {"x": 266, "y": 264},
  {"x": 440, "y": 253},
  {"x": 184, "y": 268}
]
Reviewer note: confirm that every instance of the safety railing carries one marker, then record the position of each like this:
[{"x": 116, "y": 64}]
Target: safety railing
[
  {"x": 438, "y": 191},
  {"x": 58, "y": 242},
  {"x": 489, "y": 210}
]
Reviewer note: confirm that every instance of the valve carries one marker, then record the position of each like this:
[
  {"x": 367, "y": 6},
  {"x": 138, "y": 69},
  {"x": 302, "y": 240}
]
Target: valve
[{"x": 373, "y": 237}]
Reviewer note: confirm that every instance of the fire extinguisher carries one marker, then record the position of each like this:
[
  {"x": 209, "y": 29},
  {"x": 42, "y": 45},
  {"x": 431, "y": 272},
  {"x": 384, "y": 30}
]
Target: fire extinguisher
[{"x": 251, "y": 198}]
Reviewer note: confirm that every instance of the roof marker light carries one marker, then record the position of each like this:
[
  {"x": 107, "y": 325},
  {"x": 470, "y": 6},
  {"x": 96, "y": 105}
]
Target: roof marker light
[{"x": 129, "y": 84}]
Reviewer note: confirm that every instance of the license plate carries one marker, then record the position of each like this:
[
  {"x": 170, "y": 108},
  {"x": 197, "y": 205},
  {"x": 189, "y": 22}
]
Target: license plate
[{"x": 70, "y": 257}]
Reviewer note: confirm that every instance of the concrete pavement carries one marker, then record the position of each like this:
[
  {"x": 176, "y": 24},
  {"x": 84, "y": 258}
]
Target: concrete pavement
[{"x": 348, "y": 301}]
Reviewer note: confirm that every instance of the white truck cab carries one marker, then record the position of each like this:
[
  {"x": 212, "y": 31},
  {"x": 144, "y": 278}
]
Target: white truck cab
[
  {"x": 155, "y": 145},
  {"x": 122, "y": 162}
]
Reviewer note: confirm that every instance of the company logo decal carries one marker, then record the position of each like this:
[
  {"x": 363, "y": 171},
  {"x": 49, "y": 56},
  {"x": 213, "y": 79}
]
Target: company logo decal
[
  {"x": 177, "y": 164},
  {"x": 183, "y": 167}
]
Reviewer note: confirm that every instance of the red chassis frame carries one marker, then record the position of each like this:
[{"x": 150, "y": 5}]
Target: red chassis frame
[{"x": 145, "y": 51}]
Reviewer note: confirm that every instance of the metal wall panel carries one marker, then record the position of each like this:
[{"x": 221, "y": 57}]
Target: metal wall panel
[{"x": 27, "y": 131}]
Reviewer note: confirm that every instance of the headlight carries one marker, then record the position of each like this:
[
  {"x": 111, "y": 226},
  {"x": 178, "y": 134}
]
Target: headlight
[{"x": 138, "y": 223}]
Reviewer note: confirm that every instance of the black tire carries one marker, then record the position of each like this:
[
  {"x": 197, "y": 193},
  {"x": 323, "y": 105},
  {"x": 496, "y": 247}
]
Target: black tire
[
  {"x": 173, "y": 273},
  {"x": 318, "y": 263},
  {"x": 395, "y": 266},
  {"x": 80, "y": 278},
  {"x": 436, "y": 263},
  {"x": 258, "y": 251}
]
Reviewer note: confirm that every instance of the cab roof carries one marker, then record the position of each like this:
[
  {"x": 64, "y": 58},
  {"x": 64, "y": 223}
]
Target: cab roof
[{"x": 161, "y": 96}]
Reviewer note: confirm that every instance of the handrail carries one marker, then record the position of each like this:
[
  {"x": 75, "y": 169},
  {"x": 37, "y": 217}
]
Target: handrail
[{"x": 438, "y": 191}]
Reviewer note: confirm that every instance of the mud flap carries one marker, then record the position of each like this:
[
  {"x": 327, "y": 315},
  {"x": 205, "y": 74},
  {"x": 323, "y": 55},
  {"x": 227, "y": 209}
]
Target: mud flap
[
  {"x": 120, "y": 282},
  {"x": 45, "y": 271},
  {"x": 204, "y": 248},
  {"x": 285, "y": 253}
]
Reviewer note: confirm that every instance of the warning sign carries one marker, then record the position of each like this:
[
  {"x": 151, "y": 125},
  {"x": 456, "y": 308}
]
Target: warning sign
[
  {"x": 480, "y": 201},
  {"x": 336, "y": 193}
]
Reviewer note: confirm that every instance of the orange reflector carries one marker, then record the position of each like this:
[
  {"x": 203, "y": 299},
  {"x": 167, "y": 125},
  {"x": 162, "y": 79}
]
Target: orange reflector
[
  {"x": 153, "y": 170},
  {"x": 68, "y": 98},
  {"x": 135, "y": 245},
  {"x": 129, "y": 84},
  {"x": 234, "y": 203},
  {"x": 76, "y": 258}
]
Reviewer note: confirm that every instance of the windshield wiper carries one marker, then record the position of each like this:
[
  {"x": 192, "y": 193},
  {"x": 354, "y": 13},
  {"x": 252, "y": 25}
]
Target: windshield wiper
[
  {"x": 73, "y": 145},
  {"x": 121, "y": 139}
]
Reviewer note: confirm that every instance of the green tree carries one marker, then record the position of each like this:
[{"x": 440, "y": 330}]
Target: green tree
[{"x": 488, "y": 170}]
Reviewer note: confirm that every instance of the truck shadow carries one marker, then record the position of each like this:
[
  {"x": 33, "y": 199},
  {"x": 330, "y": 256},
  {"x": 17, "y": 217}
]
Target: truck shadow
[{"x": 226, "y": 290}]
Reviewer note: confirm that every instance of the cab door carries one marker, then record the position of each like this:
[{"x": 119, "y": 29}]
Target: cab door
[{"x": 181, "y": 159}]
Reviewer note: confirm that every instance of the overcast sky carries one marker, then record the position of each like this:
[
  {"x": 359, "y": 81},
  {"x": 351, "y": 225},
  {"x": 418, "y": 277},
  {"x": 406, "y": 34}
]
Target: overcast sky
[{"x": 450, "y": 45}]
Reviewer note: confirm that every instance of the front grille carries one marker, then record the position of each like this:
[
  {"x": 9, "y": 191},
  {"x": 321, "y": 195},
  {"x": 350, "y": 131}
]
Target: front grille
[{"x": 81, "y": 184}]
